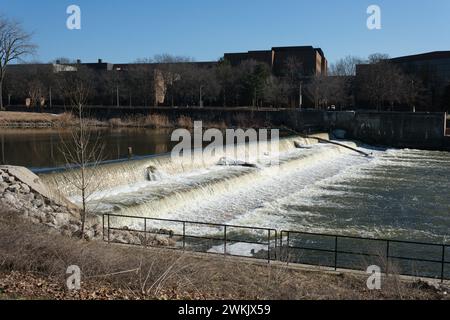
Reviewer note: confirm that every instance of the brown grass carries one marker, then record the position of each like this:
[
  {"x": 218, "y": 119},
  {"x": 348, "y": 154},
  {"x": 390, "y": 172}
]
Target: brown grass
[
  {"x": 157, "y": 121},
  {"x": 119, "y": 272},
  {"x": 67, "y": 119},
  {"x": 26, "y": 116}
]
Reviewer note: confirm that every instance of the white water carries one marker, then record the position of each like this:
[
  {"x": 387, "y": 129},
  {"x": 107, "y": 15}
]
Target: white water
[{"x": 323, "y": 188}]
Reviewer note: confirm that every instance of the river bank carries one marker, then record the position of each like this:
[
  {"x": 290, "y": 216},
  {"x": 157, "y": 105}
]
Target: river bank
[
  {"x": 34, "y": 256},
  {"x": 67, "y": 120},
  {"x": 34, "y": 261}
]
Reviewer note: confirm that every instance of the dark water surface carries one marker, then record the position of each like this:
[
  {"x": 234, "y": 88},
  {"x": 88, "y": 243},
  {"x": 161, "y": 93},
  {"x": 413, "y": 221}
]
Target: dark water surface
[{"x": 41, "y": 148}]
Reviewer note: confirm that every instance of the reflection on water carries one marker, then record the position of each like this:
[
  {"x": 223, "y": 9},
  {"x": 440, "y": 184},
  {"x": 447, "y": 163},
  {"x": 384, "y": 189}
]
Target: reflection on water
[{"x": 39, "y": 148}]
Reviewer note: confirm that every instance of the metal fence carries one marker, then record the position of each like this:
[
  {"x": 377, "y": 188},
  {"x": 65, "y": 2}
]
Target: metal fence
[
  {"x": 191, "y": 236},
  {"x": 411, "y": 258},
  {"x": 356, "y": 253}
]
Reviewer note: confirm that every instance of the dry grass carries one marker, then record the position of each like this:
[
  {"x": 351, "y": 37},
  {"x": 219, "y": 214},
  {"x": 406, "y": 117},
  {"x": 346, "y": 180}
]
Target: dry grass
[
  {"x": 185, "y": 122},
  {"x": 26, "y": 116},
  {"x": 118, "y": 272},
  {"x": 158, "y": 121},
  {"x": 67, "y": 119}
]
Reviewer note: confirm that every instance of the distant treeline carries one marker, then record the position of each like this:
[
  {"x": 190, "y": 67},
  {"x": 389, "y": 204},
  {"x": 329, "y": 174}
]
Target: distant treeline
[{"x": 178, "y": 81}]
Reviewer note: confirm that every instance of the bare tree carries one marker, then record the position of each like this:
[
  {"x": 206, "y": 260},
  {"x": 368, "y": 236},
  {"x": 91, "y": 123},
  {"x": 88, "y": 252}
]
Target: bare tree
[
  {"x": 83, "y": 152},
  {"x": 15, "y": 44},
  {"x": 277, "y": 92},
  {"x": 345, "y": 66},
  {"x": 293, "y": 72},
  {"x": 380, "y": 81},
  {"x": 170, "y": 67}
]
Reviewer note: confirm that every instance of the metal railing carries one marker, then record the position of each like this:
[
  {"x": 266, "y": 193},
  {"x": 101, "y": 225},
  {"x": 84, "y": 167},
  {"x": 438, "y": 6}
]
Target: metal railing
[
  {"x": 409, "y": 258},
  {"x": 428, "y": 260},
  {"x": 190, "y": 235}
]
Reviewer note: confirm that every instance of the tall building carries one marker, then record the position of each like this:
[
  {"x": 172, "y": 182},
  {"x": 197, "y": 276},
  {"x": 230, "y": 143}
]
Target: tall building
[
  {"x": 433, "y": 70},
  {"x": 312, "y": 60}
]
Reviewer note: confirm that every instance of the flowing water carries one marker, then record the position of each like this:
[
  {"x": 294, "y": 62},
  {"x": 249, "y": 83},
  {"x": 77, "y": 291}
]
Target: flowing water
[
  {"x": 302, "y": 186},
  {"x": 395, "y": 194}
]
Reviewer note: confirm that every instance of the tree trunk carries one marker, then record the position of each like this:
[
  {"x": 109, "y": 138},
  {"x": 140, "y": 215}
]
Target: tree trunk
[{"x": 1, "y": 95}]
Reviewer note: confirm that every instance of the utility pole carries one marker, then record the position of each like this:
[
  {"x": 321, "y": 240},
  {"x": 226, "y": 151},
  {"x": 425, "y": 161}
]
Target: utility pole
[
  {"x": 117, "y": 96},
  {"x": 300, "y": 96},
  {"x": 50, "y": 97},
  {"x": 201, "y": 97}
]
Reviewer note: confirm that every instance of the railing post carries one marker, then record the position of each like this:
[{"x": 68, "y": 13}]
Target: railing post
[
  {"x": 443, "y": 263},
  {"x": 335, "y": 252},
  {"x": 288, "y": 247},
  {"x": 276, "y": 245},
  {"x": 184, "y": 235},
  {"x": 387, "y": 256},
  {"x": 145, "y": 232},
  {"x": 109, "y": 230},
  {"x": 225, "y": 240},
  {"x": 103, "y": 227},
  {"x": 268, "y": 246}
]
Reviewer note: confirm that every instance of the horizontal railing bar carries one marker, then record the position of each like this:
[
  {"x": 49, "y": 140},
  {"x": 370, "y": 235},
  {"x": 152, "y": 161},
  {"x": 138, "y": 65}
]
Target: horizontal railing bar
[
  {"x": 416, "y": 259},
  {"x": 339, "y": 252},
  {"x": 191, "y": 222},
  {"x": 311, "y": 249},
  {"x": 229, "y": 240},
  {"x": 191, "y": 236},
  {"x": 362, "y": 238}
]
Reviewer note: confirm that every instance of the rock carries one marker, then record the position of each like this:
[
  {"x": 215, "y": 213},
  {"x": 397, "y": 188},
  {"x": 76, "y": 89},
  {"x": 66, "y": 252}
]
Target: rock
[
  {"x": 25, "y": 188},
  {"x": 75, "y": 222},
  {"x": 14, "y": 188},
  {"x": 161, "y": 241},
  {"x": 5, "y": 176},
  {"x": 61, "y": 219},
  {"x": 10, "y": 198},
  {"x": 74, "y": 228},
  {"x": 50, "y": 219},
  {"x": 37, "y": 203},
  {"x": 89, "y": 234},
  {"x": 35, "y": 220},
  {"x": 3, "y": 186},
  {"x": 41, "y": 216},
  {"x": 28, "y": 197}
]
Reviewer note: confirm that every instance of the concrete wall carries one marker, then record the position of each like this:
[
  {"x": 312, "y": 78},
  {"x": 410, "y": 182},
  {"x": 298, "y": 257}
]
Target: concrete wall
[{"x": 396, "y": 129}]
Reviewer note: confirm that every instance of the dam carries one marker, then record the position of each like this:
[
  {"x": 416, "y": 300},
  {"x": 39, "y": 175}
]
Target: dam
[{"x": 314, "y": 187}]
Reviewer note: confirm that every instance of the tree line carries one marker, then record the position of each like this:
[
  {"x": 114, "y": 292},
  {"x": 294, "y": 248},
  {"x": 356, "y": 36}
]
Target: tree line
[{"x": 179, "y": 81}]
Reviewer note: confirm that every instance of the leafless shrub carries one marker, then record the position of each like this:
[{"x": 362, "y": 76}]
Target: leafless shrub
[{"x": 157, "y": 121}]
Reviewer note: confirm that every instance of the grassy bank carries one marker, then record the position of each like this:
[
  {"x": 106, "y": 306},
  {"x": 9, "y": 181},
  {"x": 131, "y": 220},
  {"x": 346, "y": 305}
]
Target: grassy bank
[
  {"x": 65, "y": 120},
  {"x": 33, "y": 265}
]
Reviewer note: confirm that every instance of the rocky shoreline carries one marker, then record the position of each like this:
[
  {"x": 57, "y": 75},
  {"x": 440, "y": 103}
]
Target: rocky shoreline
[
  {"x": 25, "y": 200},
  {"x": 22, "y": 193}
]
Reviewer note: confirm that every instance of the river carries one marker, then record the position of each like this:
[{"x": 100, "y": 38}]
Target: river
[{"x": 394, "y": 194}]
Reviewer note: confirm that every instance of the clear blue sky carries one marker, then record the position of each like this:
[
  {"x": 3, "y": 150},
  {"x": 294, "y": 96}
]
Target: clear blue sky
[{"x": 122, "y": 31}]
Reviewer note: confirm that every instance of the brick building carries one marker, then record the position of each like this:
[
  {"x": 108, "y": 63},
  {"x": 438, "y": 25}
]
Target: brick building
[{"x": 312, "y": 59}]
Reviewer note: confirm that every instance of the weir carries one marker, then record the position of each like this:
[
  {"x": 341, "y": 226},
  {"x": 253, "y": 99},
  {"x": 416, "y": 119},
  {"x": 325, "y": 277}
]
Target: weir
[
  {"x": 329, "y": 141},
  {"x": 160, "y": 186},
  {"x": 318, "y": 188}
]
